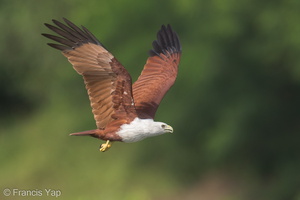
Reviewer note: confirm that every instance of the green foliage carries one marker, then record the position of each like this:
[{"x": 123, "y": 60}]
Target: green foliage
[{"x": 234, "y": 108}]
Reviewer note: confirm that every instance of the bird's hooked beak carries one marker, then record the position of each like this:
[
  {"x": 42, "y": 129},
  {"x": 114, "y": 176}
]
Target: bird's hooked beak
[{"x": 168, "y": 129}]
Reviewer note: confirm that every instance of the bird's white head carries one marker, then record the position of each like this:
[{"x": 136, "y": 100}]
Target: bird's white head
[
  {"x": 161, "y": 128},
  {"x": 140, "y": 129}
]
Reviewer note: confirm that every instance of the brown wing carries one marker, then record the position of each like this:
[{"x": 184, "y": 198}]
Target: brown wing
[
  {"x": 159, "y": 73},
  {"x": 107, "y": 81}
]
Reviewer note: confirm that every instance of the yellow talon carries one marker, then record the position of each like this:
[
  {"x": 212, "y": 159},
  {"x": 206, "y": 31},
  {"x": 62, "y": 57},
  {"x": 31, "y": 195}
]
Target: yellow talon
[{"x": 105, "y": 146}]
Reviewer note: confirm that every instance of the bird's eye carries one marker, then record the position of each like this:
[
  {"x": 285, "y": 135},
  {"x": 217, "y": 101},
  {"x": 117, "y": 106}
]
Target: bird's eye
[{"x": 163, "y": 126}]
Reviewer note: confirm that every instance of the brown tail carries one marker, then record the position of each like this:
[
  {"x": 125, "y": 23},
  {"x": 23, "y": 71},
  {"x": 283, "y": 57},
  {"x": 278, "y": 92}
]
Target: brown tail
[{"x": 84, "y": 133}]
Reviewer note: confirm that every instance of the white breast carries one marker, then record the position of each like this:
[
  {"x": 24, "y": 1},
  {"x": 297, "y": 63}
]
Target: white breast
[{"x": 139, "y": 129}]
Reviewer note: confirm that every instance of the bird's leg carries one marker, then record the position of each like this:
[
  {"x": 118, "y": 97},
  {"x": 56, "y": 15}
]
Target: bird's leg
[{"x": 105, "y": 146}]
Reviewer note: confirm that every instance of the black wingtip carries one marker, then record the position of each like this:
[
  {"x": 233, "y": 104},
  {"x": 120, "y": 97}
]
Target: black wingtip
[
  {"x": 71, "y": 36},
  {"x": 167, "y": 41},
  {"x": 57, "y": 46}
]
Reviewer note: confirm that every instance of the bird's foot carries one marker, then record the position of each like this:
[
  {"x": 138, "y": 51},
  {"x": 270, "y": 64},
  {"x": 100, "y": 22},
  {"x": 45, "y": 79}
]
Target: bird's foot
[{"x": 104, "y": 147}]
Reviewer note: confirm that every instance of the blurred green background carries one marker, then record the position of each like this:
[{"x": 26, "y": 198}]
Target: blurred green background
[{"x": 235, "y": 107}]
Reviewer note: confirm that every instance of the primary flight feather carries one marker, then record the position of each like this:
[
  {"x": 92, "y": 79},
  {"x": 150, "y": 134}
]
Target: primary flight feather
[{"x": 123, "y": 112}]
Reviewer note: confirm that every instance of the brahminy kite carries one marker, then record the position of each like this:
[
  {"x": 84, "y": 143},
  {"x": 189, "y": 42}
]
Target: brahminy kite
[{"x": 123, "y": 112}]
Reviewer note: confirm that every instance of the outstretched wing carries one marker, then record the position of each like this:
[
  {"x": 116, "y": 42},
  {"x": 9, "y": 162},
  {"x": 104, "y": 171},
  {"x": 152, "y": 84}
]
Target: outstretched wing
[
  {"x": 107, "y": 81},
  {"x": 159, "y": 73}
]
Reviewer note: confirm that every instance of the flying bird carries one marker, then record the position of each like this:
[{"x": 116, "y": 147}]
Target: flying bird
[{"x": 123, "y": 111}]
